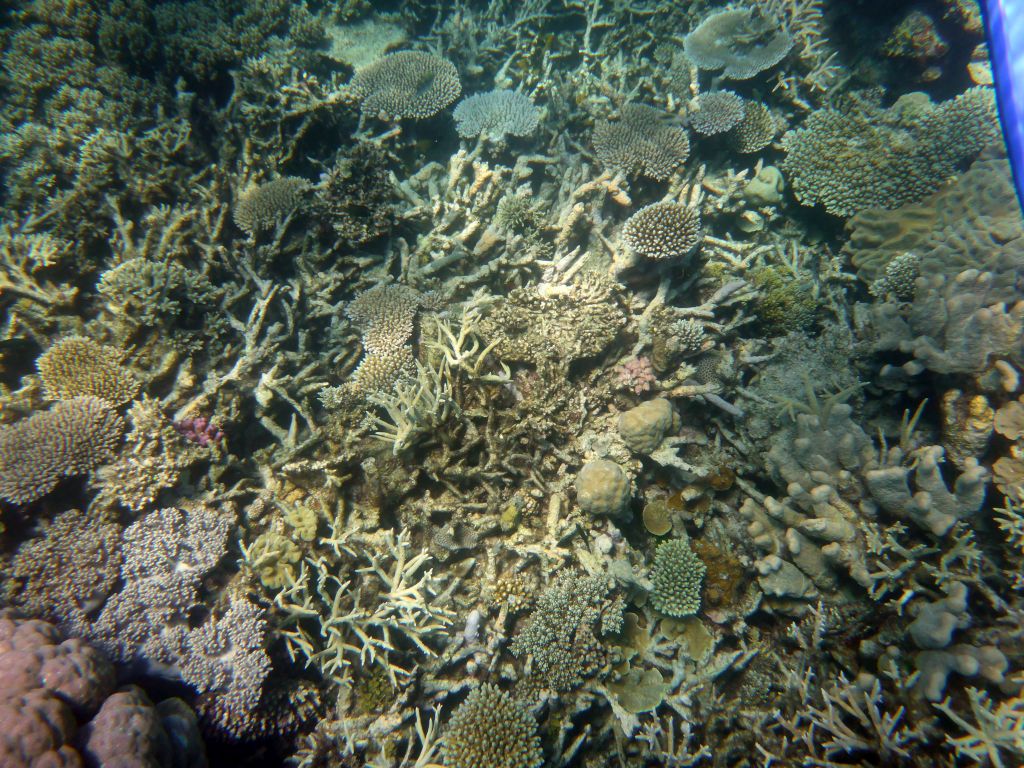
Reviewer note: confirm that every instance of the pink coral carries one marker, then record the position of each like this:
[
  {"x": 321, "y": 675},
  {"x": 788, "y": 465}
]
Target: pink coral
[
  {"x": 49, "y": 685},
  {"x": 636, "y": 374}
]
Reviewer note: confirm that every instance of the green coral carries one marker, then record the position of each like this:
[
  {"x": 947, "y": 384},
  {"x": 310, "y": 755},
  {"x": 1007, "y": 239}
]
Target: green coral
[
  {"x": 273, "y": 558},
  {"x": 786, "y": 303},
  {"x": 678, "y": 576}
]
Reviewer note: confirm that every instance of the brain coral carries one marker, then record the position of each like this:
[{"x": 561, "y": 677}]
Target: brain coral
[
  {"x": 717, "y": 112},
  {"x": 490, "y": 729},
  {"x": 407, "y": 84},
  {"x": 678, "y": 575},
  {"x": 869, "y": 157},
  {"x": 741, "y": 42},
  {"x": 642, "y": 142},
  {"x": 72, "y": 438},
  {"x": 79, "y": 366},
  {"x": 663, "y": 231},
  {"x": 496, "y": 114},
  {"x": 644, "y": 427}
]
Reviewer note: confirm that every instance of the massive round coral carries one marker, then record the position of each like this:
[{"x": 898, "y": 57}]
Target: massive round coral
[
  {"x": 407, "y": 84},
  {"x": 663, "y": 231}
]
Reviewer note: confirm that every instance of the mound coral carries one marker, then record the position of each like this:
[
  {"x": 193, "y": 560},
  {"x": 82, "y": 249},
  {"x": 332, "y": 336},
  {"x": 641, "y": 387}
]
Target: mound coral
[
  {"x": 642, "y": 142},
  {"x": 407, "y": 84},
  {"x": 602, "y": 488}
]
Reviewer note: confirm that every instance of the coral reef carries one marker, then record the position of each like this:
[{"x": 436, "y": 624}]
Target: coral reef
[{"x": 526, "y": 436}]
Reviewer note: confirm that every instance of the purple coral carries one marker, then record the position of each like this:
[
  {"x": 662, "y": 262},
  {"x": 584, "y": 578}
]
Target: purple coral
[
  {"x": 199, "y": 430},
  {"x": 58, "y": 708},
  {"x": 636, "y": 374}
]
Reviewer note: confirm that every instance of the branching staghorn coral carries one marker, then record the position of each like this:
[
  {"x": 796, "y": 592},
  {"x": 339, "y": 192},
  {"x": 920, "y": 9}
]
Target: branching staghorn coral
[{"x": 361, "y": 615}]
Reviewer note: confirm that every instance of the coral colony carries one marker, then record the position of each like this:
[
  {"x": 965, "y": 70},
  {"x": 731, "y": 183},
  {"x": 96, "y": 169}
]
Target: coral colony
[{"x": 564, "y": 383}]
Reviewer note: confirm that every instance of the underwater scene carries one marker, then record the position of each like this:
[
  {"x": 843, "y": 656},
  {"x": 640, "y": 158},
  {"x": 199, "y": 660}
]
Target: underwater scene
[{"x": 493, "y": 384}]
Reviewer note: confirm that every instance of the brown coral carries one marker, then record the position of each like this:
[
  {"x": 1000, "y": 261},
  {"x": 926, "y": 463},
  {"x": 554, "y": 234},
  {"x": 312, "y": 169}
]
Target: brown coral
[
  {"x": 642, "y": 143},
  {"x": 77, "y": 366},
  {"x": 663, "y": 231},
  {"x": 72, "y": 438}
]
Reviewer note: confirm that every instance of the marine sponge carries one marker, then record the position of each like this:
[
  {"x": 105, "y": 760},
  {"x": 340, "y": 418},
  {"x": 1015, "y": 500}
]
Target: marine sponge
[
  {"x": 407, "y": 84},
  {"x": 78, "y": 366},
  {"x": 490, "y": 729},
  {"x": 717, "y": 112},
  {"x": 663, "y": 231},
  {"x": 641, "y": 143},
  {"x": 72, "y": 438},
  {"x": 495, "y": 114},
  {"x": 741, "y": 42},
  {"x": 678, "y": 575},
  {"x": 261, "y": 206},
  {"x": 602, "y": 488}
]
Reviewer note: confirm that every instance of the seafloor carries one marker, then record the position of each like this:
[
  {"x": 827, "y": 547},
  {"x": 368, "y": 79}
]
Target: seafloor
[{"x": 553, "y": 383}]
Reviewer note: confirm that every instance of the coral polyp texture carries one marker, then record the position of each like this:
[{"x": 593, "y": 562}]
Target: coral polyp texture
[
  {"x": 717, "y": 112},
  {"x": 678, "y": 577},
  {"x": 407, "y": 84},
  {"x": 663, "y": 231},
  {"x": 497, "y": 384},
  {"x": 870, "y": 157},
  {"x": 496, "y": 114},
  {"x": 72, "y": 438},
  {"x": 490, "y": 728},
  {"x": 78, "y": 367},
  {"x": 643, "y": 141}
]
